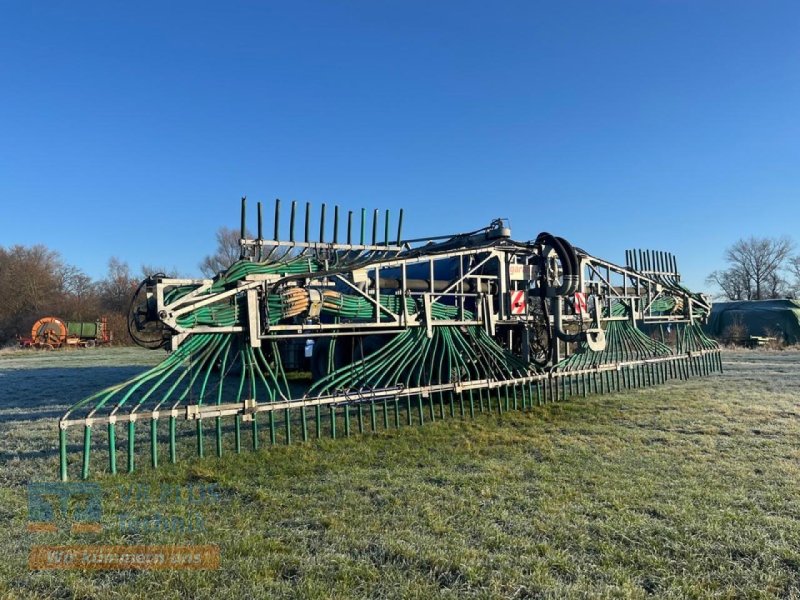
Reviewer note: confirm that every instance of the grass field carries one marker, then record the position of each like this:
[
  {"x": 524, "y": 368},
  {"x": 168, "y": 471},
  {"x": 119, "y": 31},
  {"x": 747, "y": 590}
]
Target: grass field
[{"x": 685, "y": 490}]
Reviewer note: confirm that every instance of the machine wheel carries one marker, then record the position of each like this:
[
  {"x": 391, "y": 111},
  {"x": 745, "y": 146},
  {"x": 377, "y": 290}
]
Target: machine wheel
[{"x": 49, "y": 331}]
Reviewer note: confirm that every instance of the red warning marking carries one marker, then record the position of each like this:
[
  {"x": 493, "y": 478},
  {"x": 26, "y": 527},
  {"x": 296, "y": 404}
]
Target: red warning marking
[
  {"x": 580, "y": 303},
  {"x": 518, "y": 302}
]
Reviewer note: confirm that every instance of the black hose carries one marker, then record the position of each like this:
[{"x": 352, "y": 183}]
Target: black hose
[{"x": 566, "y": 257}]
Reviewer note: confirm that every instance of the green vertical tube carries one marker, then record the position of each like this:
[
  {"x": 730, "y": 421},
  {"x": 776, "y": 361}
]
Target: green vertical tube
[
  {"x": 219, "y": 435},
  {"x": 272, "y": 435},
  {"x": 287, "y": 417},
  {"x": 318, "y": 414},
  {"x": 385, "y": 414},
  {"x": 347, "y": 420},
  {"x": 154, "y": 443},
  {"x": 254, "y": 430},
  {"x": 400, "y": 228},
  {"x": 237, "y": 433},
  {"x": 375, "y": 228},
  {"x": 260, "y": 221},
  {"x": 372, "y": 417},
  {"x": 173, "y": 451},
  {"x": 305, "y": 423},
  {"x": 244, "y": 218},
  {"x": 471, "y": 405},
  {"x": 200, "y": 448},
  {"x": 277, "y": 219},
  {"x": 112, "y": 448},
  {"x": 386, "y": 229},
  {"x": 421, "y": 412},
  {"x": 62, "y": 453},
  {"x": 363, "y": 225},
  {"x": 397, "y": 413},
  {"x": 360, "y": 419},
  {"x": 131, "y": 440},
  {"x": 87, "y": 446},
  {"x": 333, "y": 421},
  {"x": 291, "y": 220},
  {"x": 306, "y": 233},
  {"x": 335, "y": 224}
]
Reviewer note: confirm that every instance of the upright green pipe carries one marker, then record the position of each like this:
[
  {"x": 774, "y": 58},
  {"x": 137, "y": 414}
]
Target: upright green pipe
[
  {"x": 173, "y": 451},
  {"x": 349, "y": 227},
  {"x": 400, "y": 228},
  {"x": 131, "y": 439},
  {"x": 62, "y": 453},
  {"x": 363, "y": 225},
  {"x": 112, "y": 448},
  {"x": 291, "y": 220},
  {"x": 154, "y": 442},
  {"x": 237, "y": 432},
  {"x": 87, "y": 446},
  {"x": 243, "y": 229},
  {"x": 336, "y": 224},
  {"x": 200, "y": 446},
  {"x": 308, "y": 221},
  {"x": 259, "y": 222},
  {"x": 277, "y": 219}
]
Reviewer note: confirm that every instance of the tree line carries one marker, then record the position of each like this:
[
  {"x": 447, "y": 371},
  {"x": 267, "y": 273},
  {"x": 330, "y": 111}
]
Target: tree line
[
  {"x": 35, "y": 281},
  {"x": 759, "y": 268}
]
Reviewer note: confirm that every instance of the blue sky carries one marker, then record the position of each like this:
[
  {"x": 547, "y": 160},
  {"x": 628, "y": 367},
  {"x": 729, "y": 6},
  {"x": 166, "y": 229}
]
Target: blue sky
[{"x": 131, "y": 129}]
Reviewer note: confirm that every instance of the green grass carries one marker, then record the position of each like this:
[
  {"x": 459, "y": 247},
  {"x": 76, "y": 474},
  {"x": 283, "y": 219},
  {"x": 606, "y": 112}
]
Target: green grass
[{"x": 684, "y": 490}]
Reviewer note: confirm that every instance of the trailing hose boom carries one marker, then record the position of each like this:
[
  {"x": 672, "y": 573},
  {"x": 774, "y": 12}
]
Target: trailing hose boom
[{"x": 414, "y": 330}]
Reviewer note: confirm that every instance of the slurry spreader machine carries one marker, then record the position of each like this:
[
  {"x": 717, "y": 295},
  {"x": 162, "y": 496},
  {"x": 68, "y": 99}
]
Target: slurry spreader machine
[{"x": 393, "y": 332}]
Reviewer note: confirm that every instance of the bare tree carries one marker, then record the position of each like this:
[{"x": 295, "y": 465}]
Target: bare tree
[
  {"x": 756, "y": 268},
  {"x": 227, "y": 253},
  {"x": 733, "y": 284},
  {"x": 148, "y": 270},
  {"x": 794, "y": 269},
  {"x": 79, "y": 299},
  {"x": 30, "y": 283},
  {"x": 118, "y": 286}
]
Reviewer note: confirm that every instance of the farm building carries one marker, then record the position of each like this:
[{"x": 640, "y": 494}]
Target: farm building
[{"x": 737, "y": 321}]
